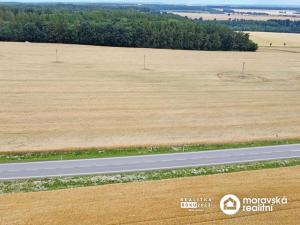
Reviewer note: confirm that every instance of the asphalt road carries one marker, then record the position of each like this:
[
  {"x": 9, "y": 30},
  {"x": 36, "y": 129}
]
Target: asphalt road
[{"x": 146, "y": 162}]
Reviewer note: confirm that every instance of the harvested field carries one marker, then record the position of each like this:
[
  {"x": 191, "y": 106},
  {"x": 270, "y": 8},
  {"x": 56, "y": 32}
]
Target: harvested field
[
  {"x": 277, "y": 39},
  {"x": 103, "y": 97},
  {"x": 232, "y": 16},
  {"x": 158, "y": 202}
]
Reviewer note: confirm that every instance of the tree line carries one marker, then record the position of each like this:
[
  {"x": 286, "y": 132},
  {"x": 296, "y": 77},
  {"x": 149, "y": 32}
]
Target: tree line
[{"x": 117, "y": 27}]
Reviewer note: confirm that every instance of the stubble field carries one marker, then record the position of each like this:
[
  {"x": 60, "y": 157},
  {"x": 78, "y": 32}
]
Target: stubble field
[
  {"x": 158, "y": 202},
  {"x": 103, "y": 97},
  {"x": 277, "y": 39}
]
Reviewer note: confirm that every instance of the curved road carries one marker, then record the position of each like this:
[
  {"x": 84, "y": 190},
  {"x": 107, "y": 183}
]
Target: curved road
[{"x": 145, "y": 162}]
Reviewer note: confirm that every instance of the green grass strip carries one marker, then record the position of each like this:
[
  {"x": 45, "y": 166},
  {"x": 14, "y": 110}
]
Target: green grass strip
[
  {"x": 103, "y": 153},
  {"x": 45, "y": 184}
]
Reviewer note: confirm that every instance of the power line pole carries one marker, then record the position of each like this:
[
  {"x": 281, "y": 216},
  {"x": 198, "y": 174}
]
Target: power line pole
[
  {"x": 243, "y": 70},
  {"x": 56, "y": 55}
]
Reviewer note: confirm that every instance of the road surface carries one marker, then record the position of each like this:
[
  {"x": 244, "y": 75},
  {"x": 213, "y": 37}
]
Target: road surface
[{"x": 145, "y": 162}]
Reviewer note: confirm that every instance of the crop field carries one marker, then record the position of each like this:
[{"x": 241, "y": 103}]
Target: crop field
[
  {"x": 277, "y": 39},
  {"x": 91, "y": 96},
  {"x": 158, "y": 202},
  {"x": 213, "y": 16}
]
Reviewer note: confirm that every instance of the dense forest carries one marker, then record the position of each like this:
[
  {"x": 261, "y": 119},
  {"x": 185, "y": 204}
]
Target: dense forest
[
  {"x": 93, "y": 6},
  {"x": 284, "y": 26},
  {"x": 117, "y": 27}
]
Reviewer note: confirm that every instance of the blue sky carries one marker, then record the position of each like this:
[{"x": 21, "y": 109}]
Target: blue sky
[{"x": 194, "y": 2}]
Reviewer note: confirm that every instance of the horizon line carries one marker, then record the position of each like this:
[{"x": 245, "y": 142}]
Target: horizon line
[{"x": 148, "y": 3}]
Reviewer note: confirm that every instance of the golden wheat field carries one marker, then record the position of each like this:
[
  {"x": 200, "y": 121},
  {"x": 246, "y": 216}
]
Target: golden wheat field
[
  {"x": 104, "y": 97},
  {"x": 232, "y": 16},
  {"x": 158, "y": 202}
]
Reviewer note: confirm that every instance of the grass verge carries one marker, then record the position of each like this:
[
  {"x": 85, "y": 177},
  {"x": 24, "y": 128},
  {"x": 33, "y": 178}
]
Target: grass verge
[
  {"x": 45, "y": 184},
  {"x": 102, "y": 153}
]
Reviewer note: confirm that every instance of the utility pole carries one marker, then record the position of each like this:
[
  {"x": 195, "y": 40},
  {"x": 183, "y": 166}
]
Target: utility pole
[
  {"x": 56, "y": 55},
  {"x": 243, "y": 70}
]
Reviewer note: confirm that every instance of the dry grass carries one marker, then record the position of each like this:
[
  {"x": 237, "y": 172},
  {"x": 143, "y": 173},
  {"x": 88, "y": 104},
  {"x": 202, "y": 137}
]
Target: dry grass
[
  {"x": 157, "y": 202},
  {"x": 277, "y": 39},
  {"x": 213, "y": 16},
  {"x": 102, "y": 96}
]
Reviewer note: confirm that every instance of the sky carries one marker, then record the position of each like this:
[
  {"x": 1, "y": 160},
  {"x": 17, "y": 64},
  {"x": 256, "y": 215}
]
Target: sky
[{"x": 189, "y": 2}]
